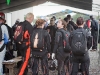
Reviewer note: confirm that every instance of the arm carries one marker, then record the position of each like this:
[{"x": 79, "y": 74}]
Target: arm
[
  {"x": 30, "y": 29},
  {"x": 70, "y": 37},
  {"x": 57, "y": 39},
  {"x": 4, "y": 31},
  {"x": 73, "y": 24},
  {"x": 89, "y": 40},
  {"x": 48, "y": 42},
  {"x": 96, "y": 23},
  {"x": 72, "y": 28},
  {"x": 48, "y": 29}
]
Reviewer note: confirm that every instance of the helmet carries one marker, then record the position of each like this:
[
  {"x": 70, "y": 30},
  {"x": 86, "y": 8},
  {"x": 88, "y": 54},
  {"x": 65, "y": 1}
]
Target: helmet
[
  {"x": 2, "y": 15},
  {"x": 53, "y": 64}
]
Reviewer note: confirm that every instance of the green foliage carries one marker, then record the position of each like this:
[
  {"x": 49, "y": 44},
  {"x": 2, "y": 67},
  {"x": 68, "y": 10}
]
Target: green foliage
[
  {"x": 80, "y": 15},
  {"x": 98, "y": 17}
]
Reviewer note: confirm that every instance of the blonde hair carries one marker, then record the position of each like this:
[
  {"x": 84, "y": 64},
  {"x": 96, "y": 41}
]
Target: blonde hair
[{"x": 29, "y": 15}]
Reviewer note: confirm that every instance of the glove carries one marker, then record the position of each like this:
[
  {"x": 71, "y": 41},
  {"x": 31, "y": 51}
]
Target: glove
[
  {"x": 5, "y": 39},
  {"x": 53, "y": 55}
]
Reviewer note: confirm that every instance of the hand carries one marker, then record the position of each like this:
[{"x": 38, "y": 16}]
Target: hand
[
  {"x": 48, "y": 55},
  {"x": 0, "y": 42},
  {"x": 30, "y": 55},
  {"x": 53, "y": 55},
  {"x": 19, "y": 42}
]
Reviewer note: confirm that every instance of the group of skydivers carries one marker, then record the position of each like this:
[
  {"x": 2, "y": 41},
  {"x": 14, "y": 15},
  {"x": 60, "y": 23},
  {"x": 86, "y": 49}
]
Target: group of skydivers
[
  {"x": 52, "y": 46},
  {"x": 65, "y": 41}
]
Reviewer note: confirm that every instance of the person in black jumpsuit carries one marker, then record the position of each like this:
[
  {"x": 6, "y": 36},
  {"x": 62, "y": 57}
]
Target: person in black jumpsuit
[
  {"x": 70, "y": 29},
  {"x": 84, "y": 60},
  {"x": 69, "y": 26},
  {"x": 51, "y": 28},
  {"x": 71, "y": 22},
  {"x": 94, "y": 32},
  {"x": 24, "y": 47},
  {"x": 41, "y": 55},
  {"x": 59, "y": 49}
]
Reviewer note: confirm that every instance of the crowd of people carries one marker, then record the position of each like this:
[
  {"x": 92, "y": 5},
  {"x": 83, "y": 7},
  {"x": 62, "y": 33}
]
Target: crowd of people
[{"x": 63, "y": 40}]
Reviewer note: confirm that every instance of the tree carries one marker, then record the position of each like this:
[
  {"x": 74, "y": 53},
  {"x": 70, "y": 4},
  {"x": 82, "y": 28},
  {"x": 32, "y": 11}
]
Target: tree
[{"x": 80, "y": 15}]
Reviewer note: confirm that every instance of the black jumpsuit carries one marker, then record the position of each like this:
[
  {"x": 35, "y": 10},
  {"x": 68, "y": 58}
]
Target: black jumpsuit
[
  {"x": 52, "y": 31},
  {"x": 24, "y": 48},
  {"x": 61, "y": 55},
  {"x": 43, "y": 54},
  {"x": 94, "y": 33},
  {"x": 83, "y": 60}
]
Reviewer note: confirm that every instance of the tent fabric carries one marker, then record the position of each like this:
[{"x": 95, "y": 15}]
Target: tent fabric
[{"x": 21, "y": 4}]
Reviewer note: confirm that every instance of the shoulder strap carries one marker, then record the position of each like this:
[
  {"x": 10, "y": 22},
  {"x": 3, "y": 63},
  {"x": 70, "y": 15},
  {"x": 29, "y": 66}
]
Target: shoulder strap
[
  {"x": 24, "y": 25},
  {"x": 1, "y": 24},
  {"x": 84, "y": 32},
  {"x": 61, "y": 33}
]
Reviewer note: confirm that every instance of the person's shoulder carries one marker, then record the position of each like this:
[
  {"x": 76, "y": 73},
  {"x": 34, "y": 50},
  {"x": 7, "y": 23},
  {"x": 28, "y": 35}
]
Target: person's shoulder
[
  {"x": 3, "y": 25},
  {"x": 45, "y": 32},
  {"x": 75, "y": 31},
  {"x": 72, "y": 22},
  {"x": 69, "y": 25},
  {"x": 94, "y": 20},
  {"x": 47, "y": 27},
  {"x": 28, "y": 26},
  {"x": 59, "y": 32},
  {"x": 7, "y": 26},
  {"x": 20, "y": 23}
]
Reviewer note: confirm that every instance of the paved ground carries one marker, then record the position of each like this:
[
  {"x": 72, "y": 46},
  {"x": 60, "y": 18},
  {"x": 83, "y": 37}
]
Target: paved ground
[{"x": 94, "y": 64}]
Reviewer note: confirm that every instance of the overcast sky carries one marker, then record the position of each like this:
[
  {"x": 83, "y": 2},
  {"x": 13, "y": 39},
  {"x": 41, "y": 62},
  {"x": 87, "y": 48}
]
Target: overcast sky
[
  {"x": 49, "y": 8},
  {"x": 96, "y": 1}
]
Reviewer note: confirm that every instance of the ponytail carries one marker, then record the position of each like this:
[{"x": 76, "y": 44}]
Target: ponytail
[{"x": 65, "y": 28}]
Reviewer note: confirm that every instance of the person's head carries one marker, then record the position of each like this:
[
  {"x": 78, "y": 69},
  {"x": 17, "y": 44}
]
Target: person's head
[
  {"x": 80, "y": 22},
  {"x": 91, "y": 17},
  {"x": 1, "y": 20},
  {"x": 52, "y": 21},
  {"x": 69, "y": 17},
  {"x": 66, "y": 19},
  {"x": 61, "y": 24},
  {"x": 40, "y": 23},
  {"x": 29, "y": 17},
  {"x": 54, "y": 18},
  {"x": 17, "y": 21},
  {"x": 2, "y": 17}
]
